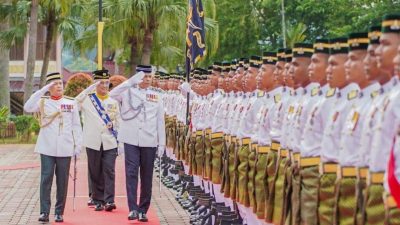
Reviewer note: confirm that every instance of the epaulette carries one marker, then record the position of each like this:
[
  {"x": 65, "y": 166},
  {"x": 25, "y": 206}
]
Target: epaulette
[
  {"x": 67, "y": 97},
  {"x": 277, "y": 98},
  {"x": 330, "y": 92},
  {"x": 353, "y": 94},
  {"x": 45, "y": 96},
  {"x": 314, "y": 91}
]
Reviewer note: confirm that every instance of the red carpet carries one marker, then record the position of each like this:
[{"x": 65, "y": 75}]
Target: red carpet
[{"x": 85, "y": 215}]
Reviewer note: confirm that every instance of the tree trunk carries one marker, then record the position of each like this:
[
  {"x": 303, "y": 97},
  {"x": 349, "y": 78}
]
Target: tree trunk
[
  {"x": 50, "y": 28},
  {"x": 4, "y": 70},
  {"x": 134, "y": 59},
  {"x": 30, "y": 69},
  {"x": 147, "y": 46}
]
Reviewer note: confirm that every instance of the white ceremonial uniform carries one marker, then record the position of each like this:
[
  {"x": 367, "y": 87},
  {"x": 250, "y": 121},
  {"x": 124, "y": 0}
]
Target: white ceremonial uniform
[
  {"x": 281, "y": 95},
  {"x": 233, "y": 114},
  {"x": 273, "y": 102},
  {"x": 216, "y": 123},
  {"x": 229, "y": 109},
  {"x": 383, "y": 127},
  {"x": 263, "y": 100},
  {"x": 306, "y": 102},
  {"x": 95, "y": 131},
  {"x": 316, "y": 123},
  {"x": 332, "y": 132},
  {"x": 293, "y": 111},
  {"x": 142, "y": 112},
  {"x": 62, "y": 137},
  {"x": 287, "y": 120},
  {"x": 350, "y": 144},
  {"x": 248, "y": 120}
]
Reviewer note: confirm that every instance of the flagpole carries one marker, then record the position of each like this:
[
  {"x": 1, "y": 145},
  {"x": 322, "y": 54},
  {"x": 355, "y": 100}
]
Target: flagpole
[{"x": 100, "y": 26}]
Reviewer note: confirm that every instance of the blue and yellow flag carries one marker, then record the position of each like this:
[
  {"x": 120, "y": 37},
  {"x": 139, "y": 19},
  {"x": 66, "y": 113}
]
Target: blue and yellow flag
[{"x": 195, "y": 34}]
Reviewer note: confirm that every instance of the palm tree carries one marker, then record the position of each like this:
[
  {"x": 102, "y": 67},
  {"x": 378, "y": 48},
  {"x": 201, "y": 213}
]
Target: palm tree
[
  {"x": 58, "y": 17},
  {"x": 13, "y": 18},
  {"x": 4, "y": 61},
  {"x": 144, "y": 30},
  {"x": 30, "y": 68},
  {"x": 295, "y": 34}
]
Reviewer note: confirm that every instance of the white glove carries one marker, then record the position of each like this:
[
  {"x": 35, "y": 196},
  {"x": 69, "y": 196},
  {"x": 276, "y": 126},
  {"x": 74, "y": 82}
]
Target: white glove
[
  {"x": 185, "y": 87},
  {"x": 91, "y": 87},
  {"x": 121, "y": 149},
  {"x": 137, "y": 78},
  {"x": 77, "y": 150},
  {"x": 160, "y": 150},
  {"x": 47, "y": 87}
]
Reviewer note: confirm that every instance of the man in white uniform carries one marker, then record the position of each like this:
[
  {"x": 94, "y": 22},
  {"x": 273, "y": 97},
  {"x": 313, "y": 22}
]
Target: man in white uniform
[
  {"x": 60, "y": 137},
  {"x": 142, "y": 131},
  {"x": 101, "y": 119}
]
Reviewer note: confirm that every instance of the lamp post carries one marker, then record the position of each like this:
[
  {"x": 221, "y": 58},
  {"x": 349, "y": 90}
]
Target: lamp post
[{"x": 100, "y": 27}]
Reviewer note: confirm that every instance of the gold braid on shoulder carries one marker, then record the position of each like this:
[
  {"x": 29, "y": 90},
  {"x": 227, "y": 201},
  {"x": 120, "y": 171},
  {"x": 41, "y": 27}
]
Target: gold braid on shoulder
[{"x": 42, "y": 116}]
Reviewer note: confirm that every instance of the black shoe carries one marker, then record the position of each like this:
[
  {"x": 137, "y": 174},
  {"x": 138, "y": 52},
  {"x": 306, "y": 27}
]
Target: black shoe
[
  {"x": 110, "y": 206},
  {"x": 90, "y": 202},
  {"x": 58, "y": 218},
  {"x": 133, "y": 215},
  {"x": 99, "y": 207},
  {"x": 143, "y": 217},
  {"x": 44, "y": 217}
]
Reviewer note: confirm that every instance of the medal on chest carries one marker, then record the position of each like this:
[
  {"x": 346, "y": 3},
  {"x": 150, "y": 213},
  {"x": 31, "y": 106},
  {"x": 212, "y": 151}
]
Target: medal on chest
[
  {"x": 152, "y": 97},
  {"x": 67, "y": 107}
]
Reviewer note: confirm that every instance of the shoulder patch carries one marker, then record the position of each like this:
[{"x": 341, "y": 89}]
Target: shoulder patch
[
  {"x": 353, "y": 94},
  {"x": 314, "y": 91},
  {"x": 330, "y": 92},
  {"x": 277, "y": 98}
]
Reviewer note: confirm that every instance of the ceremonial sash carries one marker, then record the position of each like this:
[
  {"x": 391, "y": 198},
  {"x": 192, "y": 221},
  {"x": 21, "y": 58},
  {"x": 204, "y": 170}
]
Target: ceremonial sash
[{"x": 103, "y": 114}]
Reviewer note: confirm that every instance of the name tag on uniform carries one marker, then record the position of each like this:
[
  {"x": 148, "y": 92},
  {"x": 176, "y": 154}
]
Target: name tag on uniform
[
  {"x": 152, "y": 97},
  {"x": 67, "y": 107}
]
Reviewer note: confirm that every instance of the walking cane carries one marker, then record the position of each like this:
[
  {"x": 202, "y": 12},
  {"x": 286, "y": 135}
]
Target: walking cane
[
  {"x": 74, "y": 195},
  {"x": 159, "y": 170}
]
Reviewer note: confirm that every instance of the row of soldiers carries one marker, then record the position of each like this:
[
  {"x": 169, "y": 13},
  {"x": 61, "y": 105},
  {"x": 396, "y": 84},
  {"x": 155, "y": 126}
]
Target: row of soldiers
[{"x": 297, "y": 136}]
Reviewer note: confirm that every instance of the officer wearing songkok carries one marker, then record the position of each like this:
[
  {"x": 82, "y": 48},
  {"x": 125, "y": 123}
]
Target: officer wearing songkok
[
  {"x": 386, "y": 129},
  {"x": 345, "y": 96},
  {"x": 305, "y": 93},
  {"x": 214, "y": 135},
  {"x": 232, "y": 92},
  {"x": 372, "y": 201},
  {"x": 263, "y": 134},
  {"x": 349, "y": 186},
  {"x": 264, "y": 83},
  {"x": 245, "y": 155},
  {"x": 310, "y": 143},
  {"x": 142, "y": 131},
  {"x": 231, "y": 114},
  {"x": 101, "y": 119},
  {"x": 60, "y": 137}
]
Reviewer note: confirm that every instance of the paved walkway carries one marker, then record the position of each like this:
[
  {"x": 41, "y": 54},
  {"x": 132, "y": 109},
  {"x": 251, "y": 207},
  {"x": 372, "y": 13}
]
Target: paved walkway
[{"x": 19, "y": 190}]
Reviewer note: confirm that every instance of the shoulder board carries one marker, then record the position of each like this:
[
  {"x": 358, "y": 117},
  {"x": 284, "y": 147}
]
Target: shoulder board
[
  {"x": 374, "y": 94},
  {"x": 353, "y": 94},
  {"x": 277, "y": 98},
  {"x": 45, "y": 96},
  {"x": 314, "y": 91},
  {"x": 70, "y": 98},
  {"x": 330, "y": 92}
]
